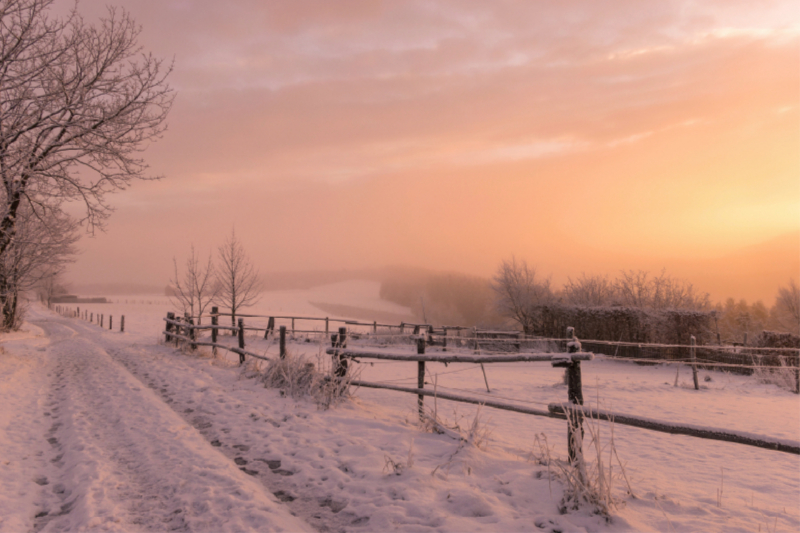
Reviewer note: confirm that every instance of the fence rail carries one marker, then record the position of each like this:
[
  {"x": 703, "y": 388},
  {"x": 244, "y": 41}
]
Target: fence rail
[
  {"x": 573, "y": 411},
  {"x": 739, "y": 359}
]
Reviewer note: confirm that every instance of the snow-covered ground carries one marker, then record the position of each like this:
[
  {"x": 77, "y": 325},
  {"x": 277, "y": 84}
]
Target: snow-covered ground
[{"x": 104, "y": 430}]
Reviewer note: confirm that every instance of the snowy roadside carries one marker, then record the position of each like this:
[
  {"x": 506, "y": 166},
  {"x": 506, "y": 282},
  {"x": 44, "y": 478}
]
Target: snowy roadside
[
  {"x": 87, "y": 447},
  {"x": 334, "y": 469}
]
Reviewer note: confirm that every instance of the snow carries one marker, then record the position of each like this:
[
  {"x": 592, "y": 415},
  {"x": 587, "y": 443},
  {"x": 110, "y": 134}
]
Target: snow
[{"x": 144, "y": 437}]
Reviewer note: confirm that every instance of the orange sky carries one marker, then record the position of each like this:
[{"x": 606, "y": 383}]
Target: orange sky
[{"x": 581, "y": 136}]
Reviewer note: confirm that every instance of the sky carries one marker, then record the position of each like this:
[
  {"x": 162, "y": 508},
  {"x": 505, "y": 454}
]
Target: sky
[{"x": 579, "y": 136}]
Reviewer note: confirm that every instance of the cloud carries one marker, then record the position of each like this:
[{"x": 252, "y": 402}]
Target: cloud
[{"x": 338, "y": 114}]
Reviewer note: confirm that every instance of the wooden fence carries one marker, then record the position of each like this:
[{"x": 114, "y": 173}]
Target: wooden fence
[
  {"x": 572, "y": 410},
  {"x": 738, "y": 359},
  {"x": 98, "y": 319}
]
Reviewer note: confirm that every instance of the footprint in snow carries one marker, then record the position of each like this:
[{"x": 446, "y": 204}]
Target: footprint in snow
[
  {"x": 241, "y": 461},
  {"x": 334, "y": 506},
  {"x": 241, "y": 447},
  {"x": 41, "y": 480},
  {"x": 284, "y": 496},
  {"x": 548, "y": 525}
]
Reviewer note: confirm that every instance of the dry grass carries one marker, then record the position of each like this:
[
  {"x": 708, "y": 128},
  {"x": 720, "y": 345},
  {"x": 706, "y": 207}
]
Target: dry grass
[
  {"x": 475, "y": 434},
  {"x": 391, "y": 466},
  {"x": 300, "y": 377},
  {"x": 589, "y": 479},
  {"x": 783, "y": 376}
]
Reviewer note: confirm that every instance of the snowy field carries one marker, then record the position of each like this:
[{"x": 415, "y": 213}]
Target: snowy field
[{"x": 112, "y": 431}]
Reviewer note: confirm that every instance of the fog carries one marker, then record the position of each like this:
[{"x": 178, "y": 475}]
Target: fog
[{"x": 453, "y": 135}]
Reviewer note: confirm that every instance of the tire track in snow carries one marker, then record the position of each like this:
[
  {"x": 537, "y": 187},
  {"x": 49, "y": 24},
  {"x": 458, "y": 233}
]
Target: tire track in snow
[{"x": 127, "y": 461}]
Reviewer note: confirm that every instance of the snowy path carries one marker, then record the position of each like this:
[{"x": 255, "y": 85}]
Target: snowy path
[
  {"x": 106, "y": 453},
  {"x": 109, "y": 431}
]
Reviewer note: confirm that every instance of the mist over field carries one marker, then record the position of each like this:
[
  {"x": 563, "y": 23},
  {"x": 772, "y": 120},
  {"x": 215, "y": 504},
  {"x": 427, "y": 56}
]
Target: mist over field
[
  {"x": 369, "y": 265},
  {"x": 454, "y": 137}
]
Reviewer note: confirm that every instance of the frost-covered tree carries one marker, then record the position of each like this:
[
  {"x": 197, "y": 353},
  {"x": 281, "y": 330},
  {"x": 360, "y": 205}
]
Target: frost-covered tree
[
  {"x": 639, "y": 290},
  {"x": 196, "y": 288},
  {"x": 590, "y": 291},
  {"x": 238, "y": 282},
  {"x": 50, "y": 286},
  {"x": 520, "y": 294},
  {"x": 43, "y": 245},
  {"x": 78, "y": 103},
  {"x": 787, "y": 308}
]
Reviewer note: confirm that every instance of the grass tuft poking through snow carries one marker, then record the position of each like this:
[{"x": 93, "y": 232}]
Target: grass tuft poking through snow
[
  {"x": 298, "y": 376},
  {"x": 589, "y": 480},
  {"x": 783, "y": 376}
]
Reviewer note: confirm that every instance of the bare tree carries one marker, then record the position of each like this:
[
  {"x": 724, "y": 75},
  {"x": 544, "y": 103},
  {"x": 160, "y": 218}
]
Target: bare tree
[
  {"x": 238, "y": 282},
  {"x": 637, "y": 289},
  {"x": 41, "y": 249},
  {"x": 787, "y": 307},
  {"x": 78, "y": 103},
  {"x": 520, "y": 294},
  {"x": 51, "y": 285},
  {"x": 197, "y": 287},
  {"x": 593, "y": 291}
]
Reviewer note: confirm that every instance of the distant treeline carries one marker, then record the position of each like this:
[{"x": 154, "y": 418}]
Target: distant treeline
[{"x": 634, "y": 306}]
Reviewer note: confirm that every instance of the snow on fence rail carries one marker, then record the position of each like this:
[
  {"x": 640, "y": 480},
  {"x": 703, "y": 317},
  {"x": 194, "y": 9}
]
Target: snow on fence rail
[
  {"x": 741, "y": 359},
  {"x": 573, "y": 410},
  {"x": 571, "y": 361}
]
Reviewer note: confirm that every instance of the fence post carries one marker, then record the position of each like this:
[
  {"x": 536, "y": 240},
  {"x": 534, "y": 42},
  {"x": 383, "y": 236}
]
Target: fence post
[
  {"x": 101, "y": 320},
  {"x": 402, "y": 328},
  {"x": 421, "y": 379},
  {"x": 192, "y": 334},
  {"x": 214, "y": 323},
  {"x": 91, "y": 319},
  {"x": 282, "y": 334},
  {"x": 177, "y": 330},
  {"x": 444, "y": 339},
  {"x": 575, "y": 397},
  {"x": 375, "y": 328},
  {"x": 693, "y": 356},
  {"x": 170, "y": 316},
  {"x": 110, "y": 322},
  {"x": 797, "y": 375},
  {"x": 292, "y": 326},
  {"x": 326, "y": 326},
  {"x": 270, "y": 327},
  {"x": 122, "y": 324},
  {"x": 241, "y": 340},
  {"x": 340, "y": 362}
]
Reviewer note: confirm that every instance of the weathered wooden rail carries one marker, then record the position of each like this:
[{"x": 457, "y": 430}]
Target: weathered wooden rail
[
  {"x": 574, "y": 406},
  {"x": 184, "y": 330}
]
